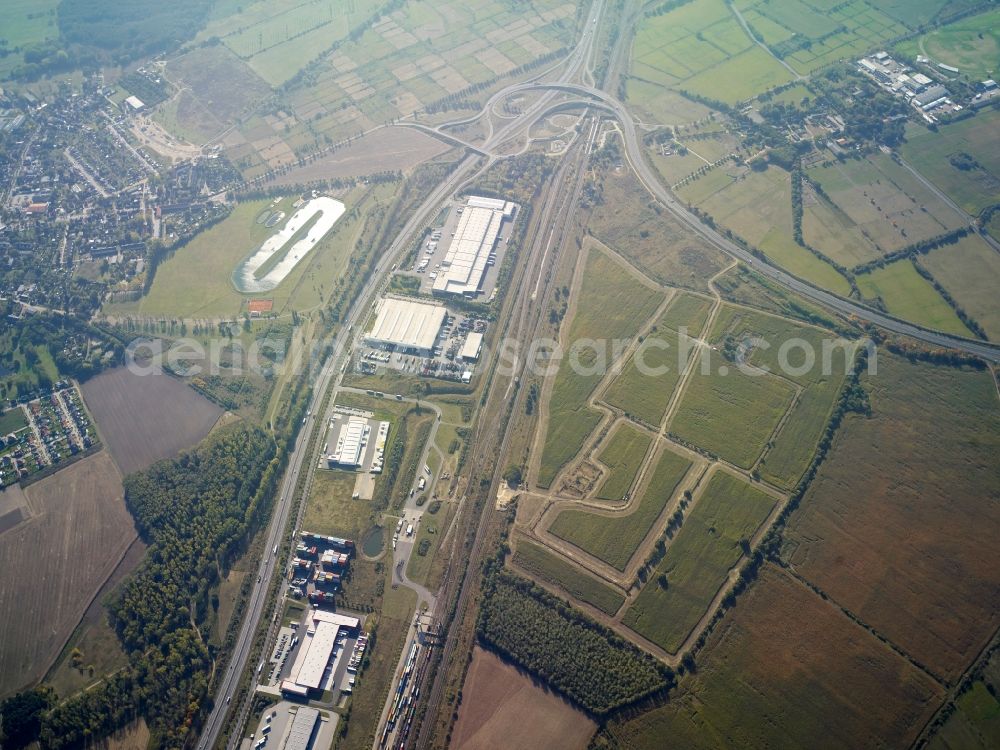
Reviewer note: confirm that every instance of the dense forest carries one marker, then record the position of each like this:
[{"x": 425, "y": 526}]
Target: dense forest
[
  {"x": 585, "y": 661},
  {"x": 197, "y": 513}
]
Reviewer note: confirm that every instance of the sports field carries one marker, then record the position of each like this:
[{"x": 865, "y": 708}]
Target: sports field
[
  {"x": 729, "y": 413},
  {"x": 970, "y": 271},
  {"x": 788, "y": 669},
  {"x": 709, "y": 544},
  {"x": 614, "y": 536},
  {"x": 971, "y": 44},
  {"x": 908, "y": 295},
  {"x": 570, "y": 578},
  {"x": 610, "y": 304}
]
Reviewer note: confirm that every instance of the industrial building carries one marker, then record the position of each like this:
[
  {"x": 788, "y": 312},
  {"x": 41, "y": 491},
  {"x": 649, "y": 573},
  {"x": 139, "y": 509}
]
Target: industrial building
[
  {"x": 406, "y": 325},
  {"x": 472, "y": 347},
  {"x": 301, "y": 733},
  {"x": 351, "y": 440},
  {"x": 315, "y": 652},
  {"x": 472, "y": 245}
]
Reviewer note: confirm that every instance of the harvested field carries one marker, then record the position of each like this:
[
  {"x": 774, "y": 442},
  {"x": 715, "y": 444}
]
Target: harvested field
[
  {"x": 787, "y": 669},
  {"x": 503, "y": 708},
  {"x": 76, "y": 531},
  {"x": 911, "y": 552},
  {"x": 143, "y": 419},
  {"x": 385, "y": 150}
]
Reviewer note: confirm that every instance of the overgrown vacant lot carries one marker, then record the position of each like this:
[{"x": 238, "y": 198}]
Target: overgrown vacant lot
[
  {"x": 887, "y": 207},
  {"x": 145, "y": 418},
  {"x": 622, "y": 454},
  {"x": 610, "y": 304},
  {"x": 793, "y": 446},
  {"x": 554, "y": 570},
  {"x": 787, "y": 669},
  {"x": 729, "y": 413},
  {"x": 697, "y": 562},
  {"x": 900, "y": 524},
  {"x": 615, "y": 536},
  {"x": 975, "y": 187},
  {"x": 627, "y": 220},
  {"x": 76, "y": 529},
  {"x": 970, "y": 271},
  {"x": 686, "y": 311}
]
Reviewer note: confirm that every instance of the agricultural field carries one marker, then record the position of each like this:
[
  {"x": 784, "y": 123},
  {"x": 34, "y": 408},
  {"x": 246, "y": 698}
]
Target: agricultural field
[
  {"x": 730, "y": 413},
  {"x": 145, "y": 418},
  {"x": 655, "y": 242},
  {"x": 880, "y": 208},
  {"x": 784, "y": 668},
  {"x": 67, "y": 550},
  {"x": 766, "y": 225},
  {"x": 791, "y": 450},
  {"x": 614, "y": 536},
  {"x": 622, "y": 454},
  {"x": 810, "y": 34},
  {"x": 383, "y": 150},
  {"x": 277, "y": 39},
  {"x": 971, "y": 44},
  {"x": 714, "y": 537},
  {"x": 975, "y": 187},
  {"x": 611, "y": 303},
  {"x": 25, "y": 24},
  {"x": 700, "y": 47},
  {"x": 908, "y": 295},
  {"x": 975, "y": 724},
  {"x": 970, "y": 271},
  {"x": 503, "y": 707},
  {"x": 551, "y": 569},
  {"x": 909, "y": 551}
]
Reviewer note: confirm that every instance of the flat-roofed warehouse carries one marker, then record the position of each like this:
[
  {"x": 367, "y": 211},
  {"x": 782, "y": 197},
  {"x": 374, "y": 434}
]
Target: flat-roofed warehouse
[
  {"x": 408, "y": 325},
  {"x": 476, "y": 234}
]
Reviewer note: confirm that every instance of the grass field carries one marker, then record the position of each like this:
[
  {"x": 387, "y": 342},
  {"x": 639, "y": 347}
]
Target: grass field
[
  {"x": 644, "y": 393},
  {"x": 610, "y": 304},
  {"x": 970, "y": 271},
  {"x": 614, "y": 537},
  {"x": 659, "y": 106},
  {"x": 880, "y": 207},
  {"x": 975, "y": 725},
  {"x": 911, "y": 551},
  {"x": 908, "y": 295},
  {"x": 787, "y": 669},
  {"x": 767, "y": 224},
  {"x": 26, "y": 23},
  {"x": 729, "y": 413},
  {"x": 971, "y": 44},
  {"x": 792, "y": 448},
  {"x": 622, "y": 453},
  {"x": 686, "y": 311},
  {"x": 13, "y": 420},
  {"x": 972, "y": 189},
  {"x": 331, "y": 509},
  {"x": 698, "y": 560},
  {"x": 548, "y": 567},
  {"x": 503, "y": 707},
  {"x": 426, "y": 569}
]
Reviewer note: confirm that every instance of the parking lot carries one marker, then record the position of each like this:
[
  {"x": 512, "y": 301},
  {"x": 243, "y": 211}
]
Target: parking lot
[{"x": 274, "y": 725}]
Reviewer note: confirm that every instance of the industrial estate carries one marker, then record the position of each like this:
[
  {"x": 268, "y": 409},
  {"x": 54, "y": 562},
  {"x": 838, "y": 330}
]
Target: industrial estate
[{"x": 585, "y": 375}]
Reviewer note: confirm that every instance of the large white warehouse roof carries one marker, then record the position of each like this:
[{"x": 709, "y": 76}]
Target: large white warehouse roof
[{"x": 408, "y": 324}]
